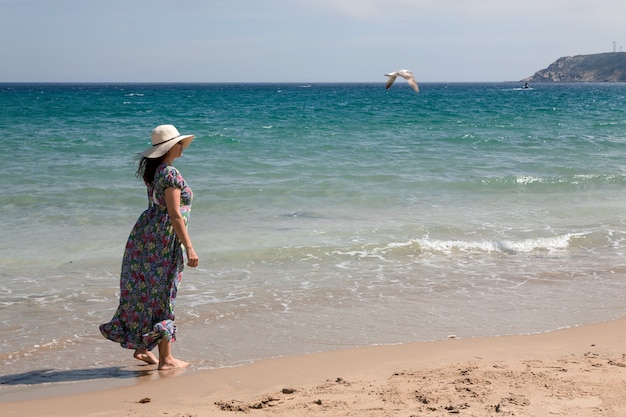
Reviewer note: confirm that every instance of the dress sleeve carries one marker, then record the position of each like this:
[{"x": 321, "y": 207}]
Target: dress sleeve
[{"x": 173, "y": 179}]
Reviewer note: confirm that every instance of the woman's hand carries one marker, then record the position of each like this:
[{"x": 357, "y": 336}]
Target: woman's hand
[
  {"x": 192, "y": 258},
  {"x": 172, "y": 201}
]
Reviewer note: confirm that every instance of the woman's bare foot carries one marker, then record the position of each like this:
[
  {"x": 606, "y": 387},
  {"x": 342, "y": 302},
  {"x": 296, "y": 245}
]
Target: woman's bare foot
[
  {"x": 167, "y": 361},
  {"x": 146, "y": 356},
  {"x": 172, "y": 363}
]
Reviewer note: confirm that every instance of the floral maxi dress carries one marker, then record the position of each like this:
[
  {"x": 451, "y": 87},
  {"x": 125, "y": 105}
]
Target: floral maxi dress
[{"x": 152, "y": 269}]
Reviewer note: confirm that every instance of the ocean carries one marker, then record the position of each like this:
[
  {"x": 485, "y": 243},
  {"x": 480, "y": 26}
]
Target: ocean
[{"x": 325, "y": 216}]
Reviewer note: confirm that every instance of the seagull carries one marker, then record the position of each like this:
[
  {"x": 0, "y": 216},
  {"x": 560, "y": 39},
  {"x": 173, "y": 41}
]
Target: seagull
[{"x": 406, "y": 74}]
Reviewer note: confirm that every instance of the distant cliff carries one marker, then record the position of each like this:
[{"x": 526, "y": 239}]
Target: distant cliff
[{"x": 607, "y": 67}]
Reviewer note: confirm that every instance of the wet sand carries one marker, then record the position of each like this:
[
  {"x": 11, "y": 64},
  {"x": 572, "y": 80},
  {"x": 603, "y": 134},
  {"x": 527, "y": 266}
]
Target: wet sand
[{"x": 579, "y": 371}]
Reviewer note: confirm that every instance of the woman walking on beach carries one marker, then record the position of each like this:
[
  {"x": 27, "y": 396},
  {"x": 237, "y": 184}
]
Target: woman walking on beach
[{"x": 153, "y": 262}]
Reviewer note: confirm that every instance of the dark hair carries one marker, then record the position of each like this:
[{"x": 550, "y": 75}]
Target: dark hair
[{"x": 147, "y": 168}]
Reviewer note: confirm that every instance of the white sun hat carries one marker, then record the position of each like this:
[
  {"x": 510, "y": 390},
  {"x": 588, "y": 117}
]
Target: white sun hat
[{"x": 164, "y": 137}]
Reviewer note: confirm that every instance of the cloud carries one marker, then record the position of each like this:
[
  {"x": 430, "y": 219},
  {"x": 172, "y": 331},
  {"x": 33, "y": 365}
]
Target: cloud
[{"x": 468, "y": 10}]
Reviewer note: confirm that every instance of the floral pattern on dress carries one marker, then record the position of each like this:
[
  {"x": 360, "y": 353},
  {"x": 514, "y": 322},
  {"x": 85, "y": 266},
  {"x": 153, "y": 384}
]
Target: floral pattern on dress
[{"x": 152, "y": 268}]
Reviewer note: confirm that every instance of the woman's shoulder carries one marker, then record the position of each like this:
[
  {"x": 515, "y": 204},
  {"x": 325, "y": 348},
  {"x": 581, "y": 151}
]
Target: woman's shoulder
[
  {"x": 170, "y": 175},
  {"x": 165, "y": 169}
]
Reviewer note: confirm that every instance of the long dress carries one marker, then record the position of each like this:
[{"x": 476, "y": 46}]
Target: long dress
[{"x": 152, "y": 269}]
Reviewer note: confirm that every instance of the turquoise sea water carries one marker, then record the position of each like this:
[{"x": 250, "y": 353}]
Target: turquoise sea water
[{"x": 325, "y": 216}]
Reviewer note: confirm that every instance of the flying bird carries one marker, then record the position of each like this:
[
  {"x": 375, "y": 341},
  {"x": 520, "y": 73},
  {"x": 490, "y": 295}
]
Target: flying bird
[{"x": 406, "y": 74}]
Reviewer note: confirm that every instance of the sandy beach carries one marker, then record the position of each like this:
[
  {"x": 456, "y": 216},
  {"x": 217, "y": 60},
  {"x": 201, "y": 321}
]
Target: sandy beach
[{"x": 579, "y": 371}]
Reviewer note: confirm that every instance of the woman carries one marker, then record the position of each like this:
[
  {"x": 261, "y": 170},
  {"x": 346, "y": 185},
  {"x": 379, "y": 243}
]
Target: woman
[{"x": 153, "y": 261}]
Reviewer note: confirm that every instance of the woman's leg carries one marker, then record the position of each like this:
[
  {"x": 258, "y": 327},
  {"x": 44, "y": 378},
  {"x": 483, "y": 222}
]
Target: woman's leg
[
  {"x": 166, "y": 359},
  {"x": 146, "y": 356}
]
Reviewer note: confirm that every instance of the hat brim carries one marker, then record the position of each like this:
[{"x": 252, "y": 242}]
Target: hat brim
[{"x": 160, "y": 150}]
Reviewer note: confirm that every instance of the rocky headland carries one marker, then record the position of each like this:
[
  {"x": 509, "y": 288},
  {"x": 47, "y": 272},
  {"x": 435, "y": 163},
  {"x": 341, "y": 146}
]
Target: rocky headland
[{"x": 604, "y": 67}]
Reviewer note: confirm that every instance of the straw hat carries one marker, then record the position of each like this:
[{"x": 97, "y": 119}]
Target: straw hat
[{"x": 164, "y": 138}]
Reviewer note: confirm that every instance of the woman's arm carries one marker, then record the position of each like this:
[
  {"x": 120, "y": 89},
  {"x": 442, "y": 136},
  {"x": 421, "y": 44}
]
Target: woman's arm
[{"x": 172, "y": 201}]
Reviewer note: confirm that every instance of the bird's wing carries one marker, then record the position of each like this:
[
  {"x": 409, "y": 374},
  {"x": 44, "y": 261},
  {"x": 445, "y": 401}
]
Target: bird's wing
[
  {"x": 391, "y": 79},
  {"x": 408, "y": 75},
  {"x": 414, "y": 85}
]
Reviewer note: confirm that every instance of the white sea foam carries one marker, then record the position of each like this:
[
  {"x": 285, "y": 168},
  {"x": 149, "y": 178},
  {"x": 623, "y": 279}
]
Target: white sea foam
[
  {"x": 526, "y": 179},
  {"x": 505, "y": 246}
]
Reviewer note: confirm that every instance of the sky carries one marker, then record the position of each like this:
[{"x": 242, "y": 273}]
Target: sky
[{"x": 306, "y": 41}]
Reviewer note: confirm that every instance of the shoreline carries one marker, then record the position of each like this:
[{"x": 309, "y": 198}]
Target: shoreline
[{"x": 574, "y": 371}]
